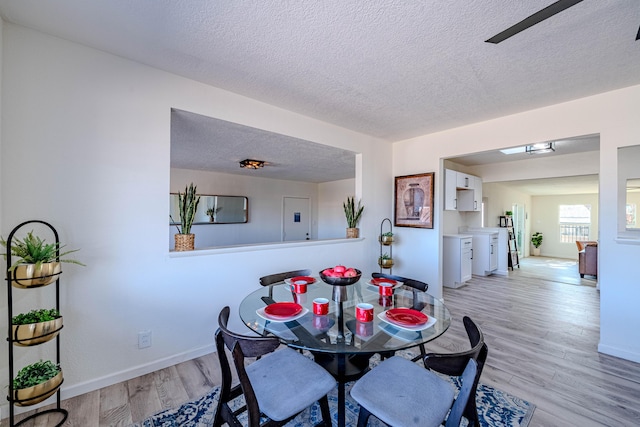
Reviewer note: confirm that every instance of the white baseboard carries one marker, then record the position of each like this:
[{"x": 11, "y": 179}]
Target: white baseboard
[
  {"x": 618, "y": 352},
  {"x": 117, "y": 377}
]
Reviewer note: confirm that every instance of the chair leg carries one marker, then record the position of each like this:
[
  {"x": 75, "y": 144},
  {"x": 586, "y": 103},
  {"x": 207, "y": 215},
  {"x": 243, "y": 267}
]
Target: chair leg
[
  {"x": 324, "y": 410},
  {"x": 363, "y": 416}
]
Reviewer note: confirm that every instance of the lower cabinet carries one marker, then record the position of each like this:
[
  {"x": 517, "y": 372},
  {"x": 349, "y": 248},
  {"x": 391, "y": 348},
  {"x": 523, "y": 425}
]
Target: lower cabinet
[
  {"x": 458, "y": 259},
  {"x": 485, "y": 260}
]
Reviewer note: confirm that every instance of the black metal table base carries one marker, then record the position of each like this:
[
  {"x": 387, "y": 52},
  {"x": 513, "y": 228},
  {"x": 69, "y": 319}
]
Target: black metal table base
[{"x": 344, "y": 368}]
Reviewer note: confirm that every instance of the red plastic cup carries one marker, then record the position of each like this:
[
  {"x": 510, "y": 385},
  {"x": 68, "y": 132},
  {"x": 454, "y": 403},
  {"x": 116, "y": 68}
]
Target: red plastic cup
[
  {"x": 320, "y": 306},
  {"x": 385, "y": 289},
  {"x": 300, "y": 287},
  {"x": 364, "y": 312}
]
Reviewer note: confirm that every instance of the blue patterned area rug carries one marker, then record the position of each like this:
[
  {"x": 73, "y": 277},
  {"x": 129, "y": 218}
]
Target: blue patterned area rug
[{"x": 496, "y": 409}]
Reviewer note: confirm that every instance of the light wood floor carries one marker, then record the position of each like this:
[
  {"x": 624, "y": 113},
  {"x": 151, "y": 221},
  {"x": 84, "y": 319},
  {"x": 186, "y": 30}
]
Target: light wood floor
[{"x": 542, "y": 327}]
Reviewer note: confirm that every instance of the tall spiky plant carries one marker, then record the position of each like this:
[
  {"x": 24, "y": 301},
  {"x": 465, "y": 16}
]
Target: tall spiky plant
[
  {"x": 352, "y": 213},
  {"x": 188, "y": 204}
]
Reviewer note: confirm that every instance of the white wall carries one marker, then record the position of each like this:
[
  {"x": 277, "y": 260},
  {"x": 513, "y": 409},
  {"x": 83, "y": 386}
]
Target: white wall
[
  {"x": 331, "y": 196},
  {"x": 86, "y": 146},
  {"x": 544, "y": 215},
  {"x": 265, "y": 206},
  {"x": 613, "y": 115}
]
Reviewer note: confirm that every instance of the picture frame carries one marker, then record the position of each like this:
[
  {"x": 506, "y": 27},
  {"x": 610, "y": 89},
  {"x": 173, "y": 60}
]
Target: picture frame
[{"x": 414, "y": 200}]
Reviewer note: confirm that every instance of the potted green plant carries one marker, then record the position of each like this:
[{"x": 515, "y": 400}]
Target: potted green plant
[
  {"x": 385, "y": 261},
  {"x": 36, "y": 382},
  {"x": 38, "y": 262},
  {"x": 36, "y": 326},
  {"x": 386, "y": 238},
  {"x": 508, "y": 213},
  {"x": 353, "y": 214},
  {"x": 536, "y": 241},
  {"x": 187, "y": 205}
]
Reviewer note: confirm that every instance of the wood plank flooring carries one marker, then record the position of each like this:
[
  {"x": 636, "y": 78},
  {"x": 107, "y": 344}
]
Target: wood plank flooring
[{"x": 541, "y": 324}]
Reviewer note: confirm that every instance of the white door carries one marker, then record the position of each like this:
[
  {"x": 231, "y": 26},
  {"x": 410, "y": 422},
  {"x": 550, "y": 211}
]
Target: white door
[{"x": 297, "y": 219}]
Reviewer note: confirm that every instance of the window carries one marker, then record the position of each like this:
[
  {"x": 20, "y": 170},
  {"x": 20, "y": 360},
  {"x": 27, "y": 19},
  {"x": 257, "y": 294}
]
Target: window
[{"x": 574, "y": 222}]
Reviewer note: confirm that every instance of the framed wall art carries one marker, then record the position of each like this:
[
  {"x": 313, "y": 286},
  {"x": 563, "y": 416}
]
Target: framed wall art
[{"x": 414, "y": 201}]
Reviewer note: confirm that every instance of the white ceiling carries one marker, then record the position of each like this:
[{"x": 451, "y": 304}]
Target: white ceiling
[{"x": 393, "y": 69}]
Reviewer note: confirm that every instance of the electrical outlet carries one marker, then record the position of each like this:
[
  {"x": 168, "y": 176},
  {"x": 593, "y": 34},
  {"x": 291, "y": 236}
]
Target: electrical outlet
[{"x": 144, "y": 339}]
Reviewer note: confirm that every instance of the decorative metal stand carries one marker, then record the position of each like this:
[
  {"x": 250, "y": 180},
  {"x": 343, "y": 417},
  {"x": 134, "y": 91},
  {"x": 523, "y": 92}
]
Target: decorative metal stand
[
  {"x": 11, "y": 277},
  {"x": 390, "y": 245}
]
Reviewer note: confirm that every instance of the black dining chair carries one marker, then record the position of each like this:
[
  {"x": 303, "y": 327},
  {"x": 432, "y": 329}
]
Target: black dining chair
[
  {"x": 418, "y": 286},
  {"x": 279, "y": 277},
  {"x": 455, "y": 363},
  {"x": 278, "y": 386},
  {"x": 401, "y": 393}
]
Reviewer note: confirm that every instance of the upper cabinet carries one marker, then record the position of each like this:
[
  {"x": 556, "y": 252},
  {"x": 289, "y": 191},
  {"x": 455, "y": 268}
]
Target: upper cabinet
[{"x": 462, "y": 192}]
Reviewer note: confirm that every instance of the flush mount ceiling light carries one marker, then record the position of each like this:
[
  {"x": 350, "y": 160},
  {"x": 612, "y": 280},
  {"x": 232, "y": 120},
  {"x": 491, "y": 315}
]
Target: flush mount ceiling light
[
  {"x": 546, "y": 147},
  {"x": 251, "y": 164}
]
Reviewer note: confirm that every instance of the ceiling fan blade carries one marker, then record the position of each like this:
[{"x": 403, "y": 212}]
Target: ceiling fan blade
[
  {"x": 532, "y": 20},
  {"x": 638, "y": 35}
]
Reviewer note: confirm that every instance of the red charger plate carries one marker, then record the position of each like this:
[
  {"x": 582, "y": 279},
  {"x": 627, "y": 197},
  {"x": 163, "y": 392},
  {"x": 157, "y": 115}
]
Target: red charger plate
[
  {"x": 379, "y": 280},
  {"x": 307, "y": 279},
  {"x": 406, "y": 316},
  {"x": 282, "y": 310}
]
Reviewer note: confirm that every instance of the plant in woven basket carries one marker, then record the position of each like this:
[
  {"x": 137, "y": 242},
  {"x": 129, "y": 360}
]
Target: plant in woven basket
[
  {"x": 187, "y": 204},
  {"x": 352, "y": 212},
  {"x": 35, "y": 316},
  {"x": 34, "y": 374},
  {"x": 33, "y": 250}
]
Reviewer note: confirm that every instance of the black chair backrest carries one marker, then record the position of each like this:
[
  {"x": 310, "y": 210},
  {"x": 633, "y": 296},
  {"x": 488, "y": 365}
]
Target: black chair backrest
[
  {"x": 455, "y": 363},
  {"x": 240, "y": 346},
  {"x": 279, "y": 277},
  {"x": 416, "y": 284},
  {"x": 466, "y": 393},
  {"x": 251, "y": 346}
]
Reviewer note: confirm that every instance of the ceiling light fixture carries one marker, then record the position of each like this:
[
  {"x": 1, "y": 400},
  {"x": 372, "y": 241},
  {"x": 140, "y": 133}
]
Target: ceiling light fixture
[
  {"x": 545, "y": 147},
  {"x": 252, "y": 164}
]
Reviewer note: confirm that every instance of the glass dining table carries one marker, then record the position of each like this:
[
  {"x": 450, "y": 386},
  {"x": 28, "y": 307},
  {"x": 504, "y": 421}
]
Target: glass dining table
[{"x": 338, "y": 341}]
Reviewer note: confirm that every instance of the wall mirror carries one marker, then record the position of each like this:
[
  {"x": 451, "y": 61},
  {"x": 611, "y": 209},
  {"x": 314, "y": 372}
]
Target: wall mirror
[
  {"x": 628, "y": 192},
  {"x": 214, "y": 209},
  {"x": 632, "y": 204}
]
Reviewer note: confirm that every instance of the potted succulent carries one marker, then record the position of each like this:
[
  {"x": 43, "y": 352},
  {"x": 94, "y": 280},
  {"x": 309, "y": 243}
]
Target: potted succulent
[
  {"x": 36, "y": 382},
  {"x": 536, "y": 241},
  {"x": 187, "y": 205},
  {"x": 385, "y": 261},
  {"x": 353, "y": 214},
  {"x": 386, "y": 238},
  {"x": 38, "y": 263},
  {"x": 36, "y": 326}
]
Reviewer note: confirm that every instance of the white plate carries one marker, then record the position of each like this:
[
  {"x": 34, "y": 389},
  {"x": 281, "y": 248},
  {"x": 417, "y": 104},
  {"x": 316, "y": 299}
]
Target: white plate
[
  {"x": 260, "y": 312},
  {"x": 432, "y": 321},
  {"x": 397, "y": 285}
]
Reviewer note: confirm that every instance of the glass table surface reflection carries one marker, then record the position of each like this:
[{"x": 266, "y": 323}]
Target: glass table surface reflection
[
  {"x": 338, "y": 342},
  {"x": 339, "y": 331}
]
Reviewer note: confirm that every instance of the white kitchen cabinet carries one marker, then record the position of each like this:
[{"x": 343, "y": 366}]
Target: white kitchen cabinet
[
  {"x": 477, "y": 194},
  {"x": 458, "y": 259},
  {"x": 485, "y": 257},
  {"x": 462, "y": 192},
  {"x": 450, "y": 196}
]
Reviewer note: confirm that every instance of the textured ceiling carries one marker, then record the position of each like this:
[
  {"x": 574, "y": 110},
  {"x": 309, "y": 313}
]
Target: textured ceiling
[
  {"x": 392, "y": 69},
  {"x": 388, "y": 68},
  {"x": 204, "y": 143}
]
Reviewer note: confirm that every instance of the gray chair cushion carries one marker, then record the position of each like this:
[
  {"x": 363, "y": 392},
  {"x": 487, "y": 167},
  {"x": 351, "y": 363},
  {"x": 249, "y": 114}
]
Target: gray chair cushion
[
  {"x": 413, "y": 396},
  {"x": 285, "y": 382}
]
